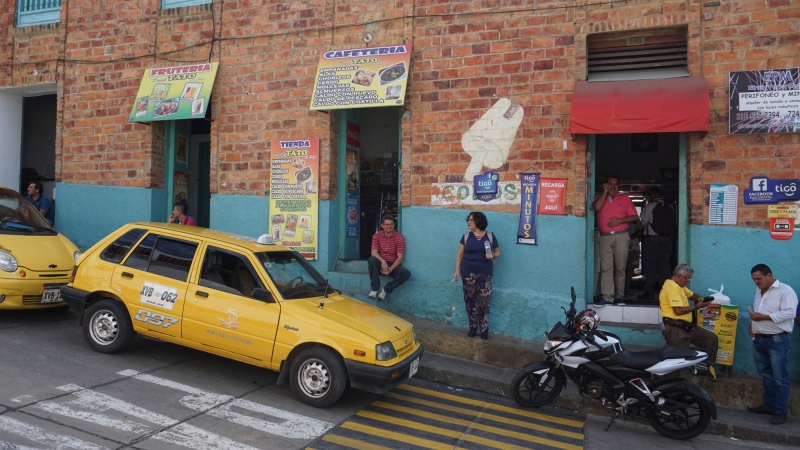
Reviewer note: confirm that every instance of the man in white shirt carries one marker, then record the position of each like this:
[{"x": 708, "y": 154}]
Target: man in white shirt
[{"x": 772, "y": 320}]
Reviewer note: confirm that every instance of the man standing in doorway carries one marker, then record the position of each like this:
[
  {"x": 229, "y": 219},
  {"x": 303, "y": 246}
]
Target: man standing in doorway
[
  {"x": 614, "y": 212},
  {"x": 771, "y": 322},
  {"x": 388, "y": 250},
  {"x": 40, "y": 202},
  {"x": 656, "y": 245}
]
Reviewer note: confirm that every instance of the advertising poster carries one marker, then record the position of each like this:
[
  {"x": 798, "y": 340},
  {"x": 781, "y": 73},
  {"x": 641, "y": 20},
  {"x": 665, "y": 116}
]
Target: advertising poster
[
  {"x": 721, "y": 322},
  {"x": 764, "y": 101},
  {"x": 722, "y": 204},
  {"x": 361, "y": 78},
  {"x": 352, "y": 171},
  {"x": 181, "y": 187},
  {"x": 552, "y": 192},
  {"x": 526, "y": 233},
  {"x": 781, "y": 221},
  {"x": 172, "y": 93},
  {"x": 352, "y": 215},
  {"x": 765, "y": 190},
  {"x": 293, "y": 195}
]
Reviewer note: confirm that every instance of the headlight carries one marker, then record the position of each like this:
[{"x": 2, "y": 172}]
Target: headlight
[
  {"x": 76, "y": 255},
  {"x": 7, "y": 262},
  {"x": 385, "y": 351},
  {"x": 414, "y": 332},
  {"x": 549, "y": 345}
]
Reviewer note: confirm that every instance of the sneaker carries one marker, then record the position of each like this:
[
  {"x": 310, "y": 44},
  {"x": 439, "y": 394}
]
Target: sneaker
[
  {"x": 760, "y": 410},
  {"x": 372, "y": 294},
  {"x": 709, "y": 373},
  {"x": 381, "y": 294},
  {"x": 601, "y": 302},
  {"x": 619, "y": 301},
  {"x": 778, "y": 419}
]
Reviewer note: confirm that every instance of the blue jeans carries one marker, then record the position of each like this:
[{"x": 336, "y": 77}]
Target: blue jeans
[
  {"x": 771, "y": 354},
  {"x": 399, "y": 276}
]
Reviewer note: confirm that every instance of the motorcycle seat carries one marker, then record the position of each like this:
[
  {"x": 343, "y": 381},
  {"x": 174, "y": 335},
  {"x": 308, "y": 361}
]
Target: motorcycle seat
[{"x": 643, "y": 360}]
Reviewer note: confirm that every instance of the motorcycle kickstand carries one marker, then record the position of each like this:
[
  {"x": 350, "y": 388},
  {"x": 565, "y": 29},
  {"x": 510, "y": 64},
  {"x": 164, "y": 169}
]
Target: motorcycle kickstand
[{"x": 613, "y": 418}]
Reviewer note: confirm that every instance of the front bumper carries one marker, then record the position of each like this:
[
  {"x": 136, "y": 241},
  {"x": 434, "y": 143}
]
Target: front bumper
[
  {"x": 27, "y": 293},
  {"x": 378, "y": 379}
]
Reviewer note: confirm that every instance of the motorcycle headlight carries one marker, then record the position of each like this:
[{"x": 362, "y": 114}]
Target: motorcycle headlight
[
  {"x": 7, "y": 262},
  {"x": 385, "y": 351},
  {"x": 549, "y": 345}
]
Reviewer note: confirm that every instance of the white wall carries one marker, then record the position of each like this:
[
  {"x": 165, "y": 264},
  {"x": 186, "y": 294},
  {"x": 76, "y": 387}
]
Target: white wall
[{"x": 10, "y": 139}]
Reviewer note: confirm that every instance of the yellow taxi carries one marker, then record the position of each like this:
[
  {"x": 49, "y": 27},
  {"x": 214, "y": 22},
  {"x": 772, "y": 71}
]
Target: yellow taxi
[
  {"x": 35, "y": 259},
  {"x": 243, "y": 299}
]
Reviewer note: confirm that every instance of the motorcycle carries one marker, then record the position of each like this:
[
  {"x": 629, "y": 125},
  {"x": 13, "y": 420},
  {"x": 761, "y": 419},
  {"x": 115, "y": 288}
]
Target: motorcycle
[{"x": 625, "y": 382}]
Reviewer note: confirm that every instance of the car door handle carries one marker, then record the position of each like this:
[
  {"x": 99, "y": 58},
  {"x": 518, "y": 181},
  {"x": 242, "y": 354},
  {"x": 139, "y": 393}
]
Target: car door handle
[
  {"x": 201, "y": 293},
  {"x": 127, "y": 274}
]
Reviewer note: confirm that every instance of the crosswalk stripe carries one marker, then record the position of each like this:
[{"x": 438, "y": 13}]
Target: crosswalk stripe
[
  {"x": 352, "y": 443},
  {"x": 484, "y": 427},
  {"x": 481, "y": 403},
  {"x": 400, "y": 437}
]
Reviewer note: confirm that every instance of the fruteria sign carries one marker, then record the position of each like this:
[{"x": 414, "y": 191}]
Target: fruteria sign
[
  {"x": 361, "y": 78},
  {"x": 764, "y": 190},
  {"x": 172, "y": 93}
]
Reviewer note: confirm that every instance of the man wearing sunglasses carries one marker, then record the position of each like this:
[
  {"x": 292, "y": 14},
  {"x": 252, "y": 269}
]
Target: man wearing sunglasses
[{"x": 676, "y": 313}]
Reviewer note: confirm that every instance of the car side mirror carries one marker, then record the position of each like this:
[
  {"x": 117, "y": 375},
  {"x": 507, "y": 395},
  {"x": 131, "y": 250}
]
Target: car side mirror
[{"x": 263, "y": 295}]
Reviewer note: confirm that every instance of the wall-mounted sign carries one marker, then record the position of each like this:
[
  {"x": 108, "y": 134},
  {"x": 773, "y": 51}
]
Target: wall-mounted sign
[
  {"x": 456, "y": 194},
  {"x": 781, "y": 221},
  {"x": 361, "y": 78},
  {"x": 723, "y": 204},
  {"x": 764, "y": 101},
  {"x": 172, "y": 93},
  {"x": 293, "y": 195},
  {"x": 526, "y": 233},
  {"x": 552, "y": 195},
  {"x": 485, "y": 186},
  {"x": 764, "y": 190}
]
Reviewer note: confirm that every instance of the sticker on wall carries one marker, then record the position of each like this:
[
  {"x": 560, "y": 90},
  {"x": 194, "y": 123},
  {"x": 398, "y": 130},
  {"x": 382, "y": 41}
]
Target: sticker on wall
[
  {"x": 552, "y": 195},
  {"x": 489, "y": 140},
  {"x": 781, "y": 221},
  {"x": 764, "y": 190}
]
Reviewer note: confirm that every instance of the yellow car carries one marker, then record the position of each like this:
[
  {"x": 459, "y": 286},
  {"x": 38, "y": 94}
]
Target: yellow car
[
  {"x": 35, "y": 259},
  {"x": 232, "y": 296}
]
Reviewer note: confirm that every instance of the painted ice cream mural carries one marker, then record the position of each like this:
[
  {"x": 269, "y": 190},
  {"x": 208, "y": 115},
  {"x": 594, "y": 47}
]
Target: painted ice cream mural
[{"x": 489, "y": 139}]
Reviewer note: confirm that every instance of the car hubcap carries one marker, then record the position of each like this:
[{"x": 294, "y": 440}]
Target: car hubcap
[
  {"x": 314, "y": 378},
  {"x": 104, "y": 327}
]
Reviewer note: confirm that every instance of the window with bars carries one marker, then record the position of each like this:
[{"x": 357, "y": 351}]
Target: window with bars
[
  {"x": 638, "y": 54},
  {"x": 166, "y": 4},
  {"x": 38, "y": 12}
]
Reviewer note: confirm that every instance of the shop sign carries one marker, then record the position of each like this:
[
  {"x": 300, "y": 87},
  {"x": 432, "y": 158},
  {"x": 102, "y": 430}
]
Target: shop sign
[
  {"x": 781, "y": 221},
  {"x": 526, "y": 233},
  {"x": 293, "y": 195},
  {"x": 722, "y": 322},
  {"x": 361, "y": 78},
  {"x": 552, "y": 192},
  {"x": 456, "y": 194},
  {"x": 763, "y": 190},
  {"x": 485, "y": 186},
  {"x": 173, "y": 93},
  {"x": 764, "y": 101}
]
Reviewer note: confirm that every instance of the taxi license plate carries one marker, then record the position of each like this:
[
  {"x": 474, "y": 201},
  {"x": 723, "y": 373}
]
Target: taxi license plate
[
  {"x": 51, "y": 295},
  {"x": 414, "y": 367}
]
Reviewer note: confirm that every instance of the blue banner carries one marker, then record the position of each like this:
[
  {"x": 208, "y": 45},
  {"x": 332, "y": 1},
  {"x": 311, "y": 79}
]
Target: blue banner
[
  {"x": 529, "y": 195},
  {"x": 764, "y": 190},
  {"x": 352, "y": 215}
]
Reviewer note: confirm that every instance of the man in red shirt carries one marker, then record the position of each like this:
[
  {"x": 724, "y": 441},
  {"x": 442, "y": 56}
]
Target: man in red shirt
[
  {"x": 388, "y": 249},
  {"x": 614, "y": 212}
]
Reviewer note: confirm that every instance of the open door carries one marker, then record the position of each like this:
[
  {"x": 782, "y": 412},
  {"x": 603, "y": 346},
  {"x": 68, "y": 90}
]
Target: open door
[
  {"x": 176, "y": 177},
  {"x": 350, "y": 128}
]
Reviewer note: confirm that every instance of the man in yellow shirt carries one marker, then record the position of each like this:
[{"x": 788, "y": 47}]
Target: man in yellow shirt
[{"x": 676, "y": 312}]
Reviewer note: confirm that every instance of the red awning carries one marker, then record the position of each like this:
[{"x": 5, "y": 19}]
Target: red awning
[{"x": 640, "y": 106}]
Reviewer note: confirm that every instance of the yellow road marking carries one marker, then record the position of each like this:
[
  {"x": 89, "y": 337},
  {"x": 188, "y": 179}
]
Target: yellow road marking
[
  {"x": 352, "y": 443},
  {"x": 521, "y": 412},
  {"x": 460, "y": 435},
  {"x": 484, "y": 427},
  {"x": 400, "y": 437}
]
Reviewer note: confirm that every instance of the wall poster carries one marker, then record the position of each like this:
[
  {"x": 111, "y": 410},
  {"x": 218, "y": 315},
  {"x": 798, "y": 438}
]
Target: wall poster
[
  {"x": 293, "y": 195},
  {"x": 764, "y": 101}
]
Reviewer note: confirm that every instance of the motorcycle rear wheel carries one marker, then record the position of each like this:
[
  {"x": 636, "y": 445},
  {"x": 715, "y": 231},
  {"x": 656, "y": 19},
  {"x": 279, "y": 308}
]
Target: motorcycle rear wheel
[
  {"x": 686, "y": 422},
  {"x": 525, "y": 389}
]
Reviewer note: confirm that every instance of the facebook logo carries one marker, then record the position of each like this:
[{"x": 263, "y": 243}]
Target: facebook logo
[{"x": 758, "y": 184}]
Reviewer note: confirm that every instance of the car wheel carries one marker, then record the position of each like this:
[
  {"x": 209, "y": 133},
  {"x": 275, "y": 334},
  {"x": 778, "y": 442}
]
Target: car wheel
[
  {"x": 107, "y": 328},
  {"x": 318, "y": 377}
]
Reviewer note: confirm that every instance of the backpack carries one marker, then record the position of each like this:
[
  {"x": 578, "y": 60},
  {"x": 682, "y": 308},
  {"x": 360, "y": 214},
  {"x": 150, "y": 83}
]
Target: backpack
[{"x": 665, "y": 222}]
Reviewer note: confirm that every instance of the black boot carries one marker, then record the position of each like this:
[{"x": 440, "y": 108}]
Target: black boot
[{"x": 472, "y": 332}]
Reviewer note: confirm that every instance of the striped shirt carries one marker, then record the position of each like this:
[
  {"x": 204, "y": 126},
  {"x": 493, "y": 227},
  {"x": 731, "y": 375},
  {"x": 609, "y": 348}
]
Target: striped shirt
[{"x": 389, "y": 246}]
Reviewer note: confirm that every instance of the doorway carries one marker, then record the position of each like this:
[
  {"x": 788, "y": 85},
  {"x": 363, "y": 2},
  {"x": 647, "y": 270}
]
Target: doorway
[{"x": 188, "y": 168}]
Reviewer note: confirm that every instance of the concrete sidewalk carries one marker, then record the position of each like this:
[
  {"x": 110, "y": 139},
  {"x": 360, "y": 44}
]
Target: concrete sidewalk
[{"x": 489, "y": 366}]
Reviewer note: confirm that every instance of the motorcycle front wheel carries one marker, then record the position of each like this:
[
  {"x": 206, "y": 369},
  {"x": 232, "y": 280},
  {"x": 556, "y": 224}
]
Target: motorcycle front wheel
[
  {"x": 687, "y": 420},
  {"x": 527, "y": 392}
]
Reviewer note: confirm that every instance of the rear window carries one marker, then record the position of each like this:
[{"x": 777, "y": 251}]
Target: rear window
[
  {"x": 165, "y": 256},
  {"x": 115, "y": 252}
]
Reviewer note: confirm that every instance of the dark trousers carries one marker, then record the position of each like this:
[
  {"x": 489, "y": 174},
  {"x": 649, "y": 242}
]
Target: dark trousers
[
  {"x": 699, "y": 337},
  {"x": 399, "y": 275},
  {"x": 655, "y": 260}
]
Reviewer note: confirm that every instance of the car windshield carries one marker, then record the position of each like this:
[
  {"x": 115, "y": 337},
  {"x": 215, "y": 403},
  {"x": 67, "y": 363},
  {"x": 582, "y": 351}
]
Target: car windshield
[
  {"x": 293, "y": 275},
  {"x": 17, "y": 215}
]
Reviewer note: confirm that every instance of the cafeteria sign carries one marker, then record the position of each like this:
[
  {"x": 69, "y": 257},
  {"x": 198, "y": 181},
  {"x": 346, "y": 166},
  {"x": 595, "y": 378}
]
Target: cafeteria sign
[
  {"x": 172, "y": 93},
  {"x": 361, "y": 78}
]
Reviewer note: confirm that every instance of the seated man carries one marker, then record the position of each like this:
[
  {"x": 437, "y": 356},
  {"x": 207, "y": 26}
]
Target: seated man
[
  {"x": 388, "y": 249},
  {"x": 679, "y": 330},
  {"x": 39, "y": 201},
  {"x": 179, "y": 215}
]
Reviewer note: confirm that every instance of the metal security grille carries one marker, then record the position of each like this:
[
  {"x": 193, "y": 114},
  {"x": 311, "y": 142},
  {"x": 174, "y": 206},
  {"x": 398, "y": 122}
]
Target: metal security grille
[
  {"x": 643, "y": 54},
  {"x": 38, "y": 12},
  {"x": 166, "y": 4}
]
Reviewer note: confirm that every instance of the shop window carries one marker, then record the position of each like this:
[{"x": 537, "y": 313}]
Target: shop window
[
  {"x": 638, "y": 55},
  {"x": 38, "y": 12},
  {"x": 166, "y": 4}
]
